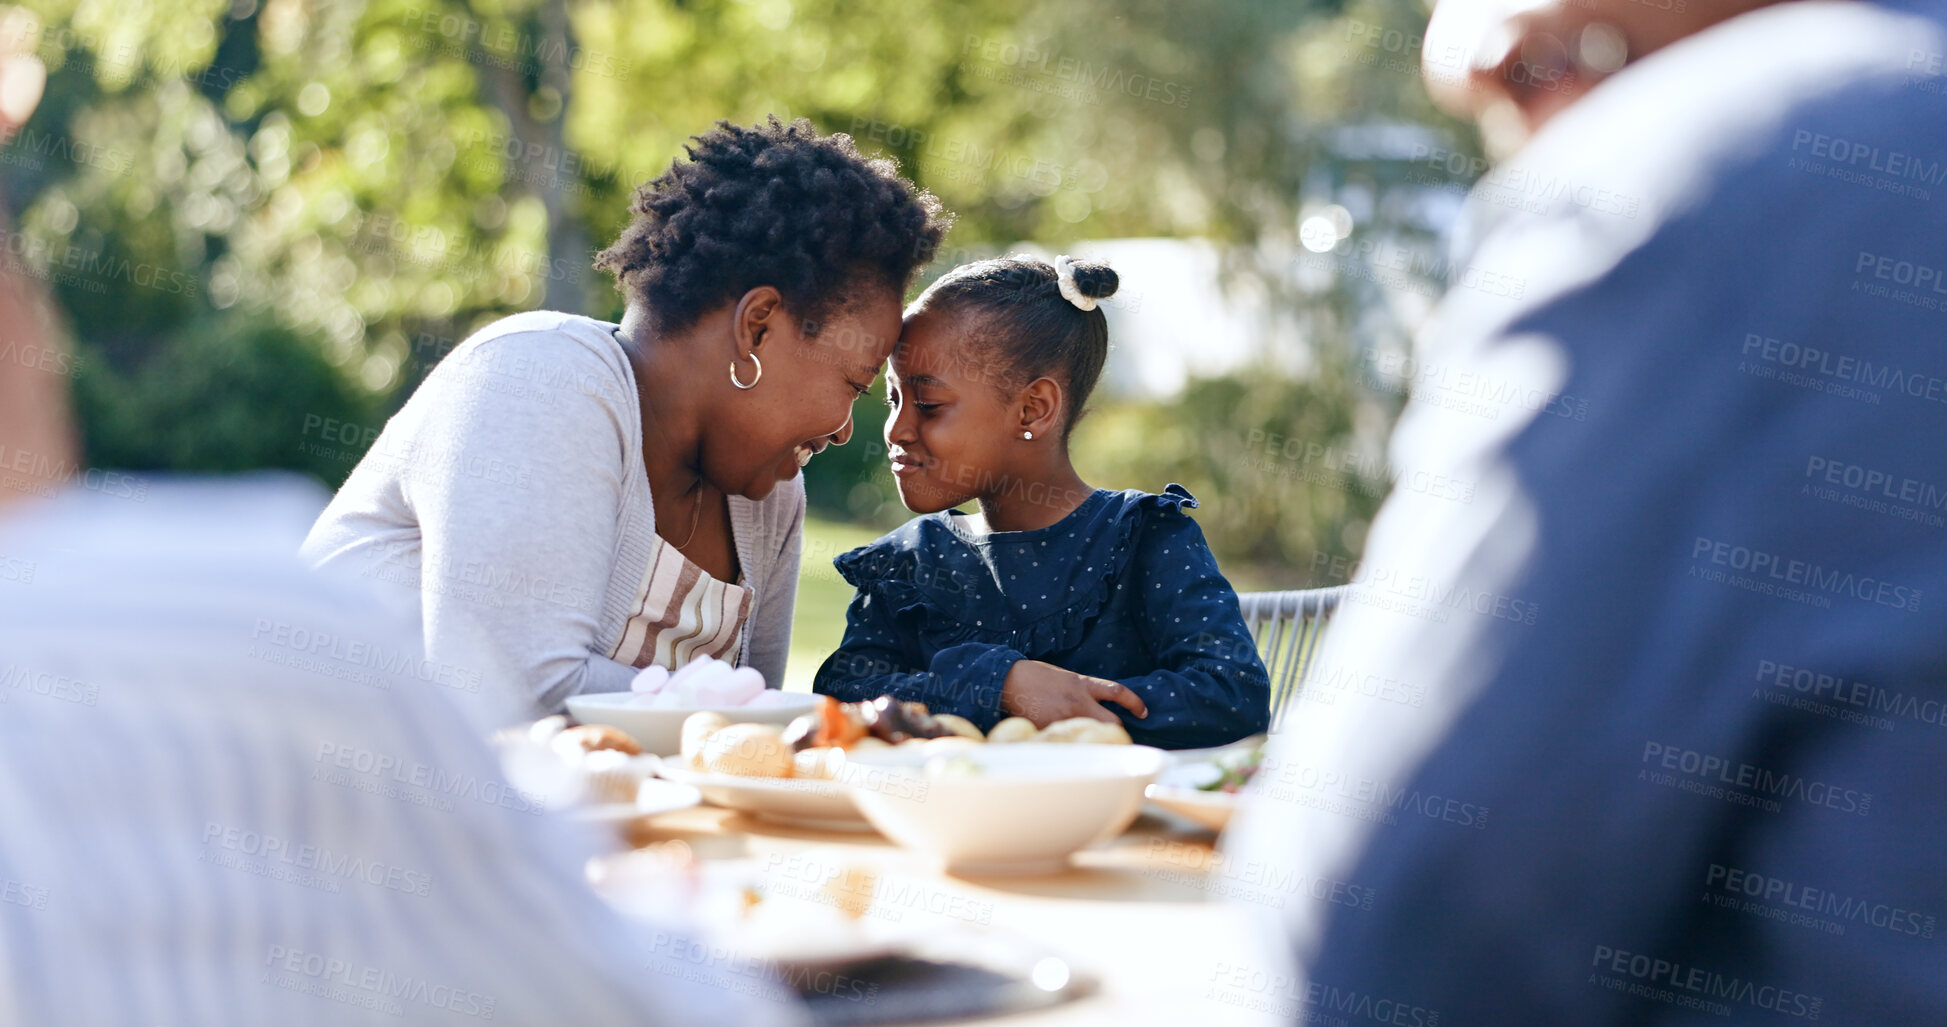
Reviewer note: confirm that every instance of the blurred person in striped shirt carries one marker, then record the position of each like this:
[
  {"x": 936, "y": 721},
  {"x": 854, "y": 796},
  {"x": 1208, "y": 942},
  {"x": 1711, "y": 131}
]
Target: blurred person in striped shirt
[{"x": 233, "y": 792}]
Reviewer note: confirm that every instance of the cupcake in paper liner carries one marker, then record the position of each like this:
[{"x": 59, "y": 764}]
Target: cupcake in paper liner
[{"x": 609, "y": 775}]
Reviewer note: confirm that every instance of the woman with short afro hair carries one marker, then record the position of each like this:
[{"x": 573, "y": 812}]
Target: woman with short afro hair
[{"x": 568, "y": 500}]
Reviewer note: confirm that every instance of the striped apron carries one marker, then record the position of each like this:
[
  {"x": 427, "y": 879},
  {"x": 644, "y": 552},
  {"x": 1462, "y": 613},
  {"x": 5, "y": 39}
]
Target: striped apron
[{"x": 681, "y": 612}]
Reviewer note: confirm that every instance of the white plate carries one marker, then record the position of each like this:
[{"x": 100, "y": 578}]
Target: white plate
[
  {"x": 794, "y": 918},
  {"x": 651, "y": 798},
  {"x": 1188, "y": 757},
  {"x": 1176, "y": 788},
  {"x": 660, "y": 732},
  {"x": 792, "y": 800},
  {"x": 1206, "y": 809}
]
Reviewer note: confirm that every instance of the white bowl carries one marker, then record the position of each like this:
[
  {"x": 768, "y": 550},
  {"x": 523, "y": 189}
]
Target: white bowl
[
  {"x": 1027, "y": 808},
  {"x": 661, "y": 731}
]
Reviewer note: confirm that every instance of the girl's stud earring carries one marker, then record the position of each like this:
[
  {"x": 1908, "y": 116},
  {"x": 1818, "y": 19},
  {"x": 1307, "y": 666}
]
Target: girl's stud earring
[{"x": 1027, "y": 435}]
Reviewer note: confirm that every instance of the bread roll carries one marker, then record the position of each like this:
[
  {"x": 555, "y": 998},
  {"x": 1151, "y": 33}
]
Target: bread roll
[
  {"x": 578, "y": 741},
  {"x": 1013, "y": 729},
  {"x": 1107, "y": 733},
  {"x": 1084, "y": 729},
  {"x": 960, "y": 726},
  {"x": 822, "y": 763},
  {"x": 696, "y": 728},
  {"x": 747, "y": 750}
]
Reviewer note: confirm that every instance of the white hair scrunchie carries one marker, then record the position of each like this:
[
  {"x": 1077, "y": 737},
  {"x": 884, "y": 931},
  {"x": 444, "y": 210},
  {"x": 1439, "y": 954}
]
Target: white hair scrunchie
[{"x": 1065, "y": 278}]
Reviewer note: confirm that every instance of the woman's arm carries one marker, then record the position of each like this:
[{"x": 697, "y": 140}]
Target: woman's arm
[
  {"x": 876, "y": 658},
  {"x": 513, "y": 464},
  {"x": 1209, "y": 686},
  {"x": 777, "y": 594}
]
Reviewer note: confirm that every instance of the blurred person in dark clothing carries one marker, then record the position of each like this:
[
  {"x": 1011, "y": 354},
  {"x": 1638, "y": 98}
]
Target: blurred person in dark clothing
[{"x": 1678, "y": 671}]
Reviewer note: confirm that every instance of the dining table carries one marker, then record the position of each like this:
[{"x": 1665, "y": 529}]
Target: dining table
[{"x": 1155, "y": 925}]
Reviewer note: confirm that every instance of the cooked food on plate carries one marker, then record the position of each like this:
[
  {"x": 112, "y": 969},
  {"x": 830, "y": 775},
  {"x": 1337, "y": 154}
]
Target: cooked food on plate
[
  {"x": 814, "y": 745},
  {"x": 1235, "y": 769}
]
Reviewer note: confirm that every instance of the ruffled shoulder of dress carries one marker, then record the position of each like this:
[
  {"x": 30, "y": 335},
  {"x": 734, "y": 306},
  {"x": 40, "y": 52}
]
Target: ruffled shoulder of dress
[
  {"x": 894, "y": 555},
  {"x": 1172, "y": 499},
  {"x": 1139, "y": 508}
]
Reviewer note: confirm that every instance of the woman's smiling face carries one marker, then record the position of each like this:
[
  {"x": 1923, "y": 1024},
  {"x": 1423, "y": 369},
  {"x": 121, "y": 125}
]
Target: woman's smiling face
[
  {"x": 952, "y": 428},
  {"x": 802, "y": 402}
]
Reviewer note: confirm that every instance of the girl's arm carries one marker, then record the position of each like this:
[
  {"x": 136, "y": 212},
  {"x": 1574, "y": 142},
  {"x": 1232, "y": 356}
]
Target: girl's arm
[
  {"x": 1209, "y": 687},
  {"x": 878, "y": 658}
]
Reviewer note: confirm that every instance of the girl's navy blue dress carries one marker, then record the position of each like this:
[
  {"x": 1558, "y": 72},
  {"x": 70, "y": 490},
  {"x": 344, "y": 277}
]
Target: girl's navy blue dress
[{"x": 1123, "y": 588}]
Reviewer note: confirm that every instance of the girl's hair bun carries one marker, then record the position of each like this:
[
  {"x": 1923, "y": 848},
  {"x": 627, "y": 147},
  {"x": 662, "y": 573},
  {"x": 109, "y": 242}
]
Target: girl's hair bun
[{"x": 1096, "y": 279}]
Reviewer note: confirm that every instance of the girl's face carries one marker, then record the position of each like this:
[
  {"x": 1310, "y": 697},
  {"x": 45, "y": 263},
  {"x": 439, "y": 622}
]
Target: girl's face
[
  {"x": 953, "y": 430},
  {"x": 803, "y": 400}
]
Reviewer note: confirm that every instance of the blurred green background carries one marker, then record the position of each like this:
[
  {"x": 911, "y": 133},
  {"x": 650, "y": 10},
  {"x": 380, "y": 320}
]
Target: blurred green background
[{"x": 267, "y": 217}]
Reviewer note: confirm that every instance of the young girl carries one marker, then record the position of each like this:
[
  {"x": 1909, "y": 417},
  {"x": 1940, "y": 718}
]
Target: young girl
[{"x": 1057, "y": 599}]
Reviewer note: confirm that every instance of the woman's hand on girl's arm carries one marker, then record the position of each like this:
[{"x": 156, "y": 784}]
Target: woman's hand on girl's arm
[{"x": 1045, "y": 693}]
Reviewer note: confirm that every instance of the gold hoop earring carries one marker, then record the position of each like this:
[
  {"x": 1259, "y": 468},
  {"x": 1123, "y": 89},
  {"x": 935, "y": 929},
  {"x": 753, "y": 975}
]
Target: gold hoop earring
[{"x": 754, "y": 379}]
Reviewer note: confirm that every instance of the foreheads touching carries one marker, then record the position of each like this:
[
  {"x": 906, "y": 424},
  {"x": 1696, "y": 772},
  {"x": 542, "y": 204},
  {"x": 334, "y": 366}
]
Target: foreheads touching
[{"x": 1004, "y": 324}]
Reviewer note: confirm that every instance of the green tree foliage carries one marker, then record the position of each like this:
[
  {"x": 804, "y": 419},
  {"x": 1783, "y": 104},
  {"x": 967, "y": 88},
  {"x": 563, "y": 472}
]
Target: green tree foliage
[
  {"x": 223, "y": 394},
  {"x": 256, "y": 212}
]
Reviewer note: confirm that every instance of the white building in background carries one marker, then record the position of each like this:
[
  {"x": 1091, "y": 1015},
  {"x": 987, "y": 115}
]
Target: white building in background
[
  {"x": 1178, "y": 315},
  {"x": 1174, "y": 317}
]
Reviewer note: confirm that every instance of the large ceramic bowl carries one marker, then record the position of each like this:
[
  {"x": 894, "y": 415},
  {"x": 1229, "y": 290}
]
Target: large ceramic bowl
[
  {"x": 661, "y": 731},
  {"x": 1020, "y": 808}
]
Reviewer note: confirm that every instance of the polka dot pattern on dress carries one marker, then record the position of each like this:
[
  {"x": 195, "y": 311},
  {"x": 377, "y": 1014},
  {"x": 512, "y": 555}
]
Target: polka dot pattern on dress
[{"x": 1071, "y": 594}]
